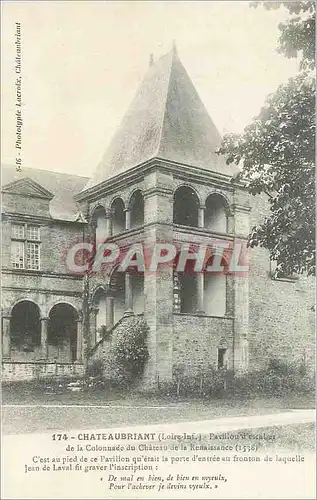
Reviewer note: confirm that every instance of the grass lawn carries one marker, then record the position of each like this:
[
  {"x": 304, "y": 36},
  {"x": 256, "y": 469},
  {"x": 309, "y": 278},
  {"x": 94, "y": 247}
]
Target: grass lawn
[{"x": 45, "y": 412}]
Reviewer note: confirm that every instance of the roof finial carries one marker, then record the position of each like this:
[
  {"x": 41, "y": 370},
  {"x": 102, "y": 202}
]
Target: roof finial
[
  {"x": 174, "y": 48},
  {"x": 151, "y": 60}
]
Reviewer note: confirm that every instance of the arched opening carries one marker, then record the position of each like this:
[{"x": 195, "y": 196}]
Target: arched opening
[
  {"x": 100, "y": 306},
  {"x": 215, "y": 294},
  {"x": 137, "y": 287},
  {"x": 185, "y": 288},
  {"x": 137, "y": 209},
  {"x": 99, "y": 218},
  {"x": 25, "y": 326},
  {"x": 118, "y": 216},
  {"x": 185, "y": 207},
  {"x": 127, "y": 290},
  {"x": 117, "y": 291},
  {"x": 216, "y": 214},
  {"x": 215, "y": 289},
  {"x": 62, "y": 333}
]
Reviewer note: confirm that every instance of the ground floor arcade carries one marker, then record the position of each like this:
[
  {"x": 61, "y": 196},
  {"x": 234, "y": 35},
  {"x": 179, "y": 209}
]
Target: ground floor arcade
[{"x": 29, "y": 336}]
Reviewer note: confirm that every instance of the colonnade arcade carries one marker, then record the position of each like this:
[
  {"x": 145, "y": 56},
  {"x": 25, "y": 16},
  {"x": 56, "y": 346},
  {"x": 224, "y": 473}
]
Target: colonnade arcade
[
  {"x": 205, "y": 293},
  {"x": 213, "y": 215},
  {"x": 30, "y": 335},
  {"x": 118, "y": 218},
  {"x": 123, "y": 295}
]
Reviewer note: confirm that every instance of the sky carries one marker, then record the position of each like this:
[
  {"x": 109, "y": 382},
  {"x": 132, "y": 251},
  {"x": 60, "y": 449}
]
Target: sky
[{"x": 82, "y": 62}]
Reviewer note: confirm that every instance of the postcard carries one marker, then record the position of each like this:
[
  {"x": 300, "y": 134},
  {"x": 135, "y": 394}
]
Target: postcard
[{"x": 158, "y": 239}]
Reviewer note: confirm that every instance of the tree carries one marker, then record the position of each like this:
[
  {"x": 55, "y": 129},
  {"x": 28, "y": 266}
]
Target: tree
[{"x": 276, "y": 151}]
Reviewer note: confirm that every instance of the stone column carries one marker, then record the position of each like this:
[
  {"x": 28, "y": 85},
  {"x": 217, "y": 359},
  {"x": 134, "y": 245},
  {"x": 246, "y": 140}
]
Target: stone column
[
  {"x": 108, "y": 223},
  {"x": 93, "y": 325},
  {"x": 158, "y": 286},
  {"x": 127, "y": 218},
  {"x": 201, "y": 216},
  {"x": 128, "y": 293},
  {"x": 79, "y": 350},
  {"x": 92, "y": 230},
  {"x": 109, "y": 312},
  {"x": 241, "y": 285},
  {"x": 44, "y": 332},
  {"x": 6, "y": 337},
  {"x": 200, "y": 293}
]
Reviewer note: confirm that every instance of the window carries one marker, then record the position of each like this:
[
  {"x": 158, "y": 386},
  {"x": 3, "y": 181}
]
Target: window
[
  {"x": 17, "y": 248},
  {"x": 18, "y": 231},
  {"x": 25, "y": 247},
  {"x": 222, "y": 358},
  {"x": 33, "y": 233},
  {"x": 33, "y": 256}
]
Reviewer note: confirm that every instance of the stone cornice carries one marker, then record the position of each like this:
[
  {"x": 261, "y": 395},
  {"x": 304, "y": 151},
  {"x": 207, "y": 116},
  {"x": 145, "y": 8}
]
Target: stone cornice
[
  {"x": 241, "y": 208},
  {"x": 50, "y": 292},
  {"x": 136, "y": 174},
  {"x": 42, "y": 274},
  {"x": 201, "y": 231},
  {"x": 38, "y": 362},
  {"x": 157, "y": 190},
  {"x": 38, "y": 219}
]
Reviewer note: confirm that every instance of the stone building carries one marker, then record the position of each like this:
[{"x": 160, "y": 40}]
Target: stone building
[{"x": 160, "y": 180}]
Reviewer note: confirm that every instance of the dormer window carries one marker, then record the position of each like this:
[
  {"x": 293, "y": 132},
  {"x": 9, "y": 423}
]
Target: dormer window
[{"x": 25, "y": 247}]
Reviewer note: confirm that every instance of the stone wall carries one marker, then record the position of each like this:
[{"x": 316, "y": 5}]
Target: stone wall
[
  {"x": 12, "y": 372},
  {"x": 281, "y": 315},
  {"x": 56, "y": 239},
  {"x": 51, "y": 285},
  {"x": 196, "y": 340}
]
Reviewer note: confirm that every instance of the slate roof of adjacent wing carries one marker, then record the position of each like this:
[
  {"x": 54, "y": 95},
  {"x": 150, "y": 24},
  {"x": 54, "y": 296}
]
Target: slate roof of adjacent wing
[
  {"x": 167, "y": 120},
  {"x": 62, "y": 186}
]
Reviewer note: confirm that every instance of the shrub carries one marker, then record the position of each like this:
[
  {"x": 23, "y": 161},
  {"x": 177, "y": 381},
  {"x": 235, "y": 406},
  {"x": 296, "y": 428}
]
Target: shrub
[
  {"x": 277, "y": 379},
  {"x": 204, "y": 382},
  {"x": 130, "y": 352},
  {"x": 95, "y": 369}
]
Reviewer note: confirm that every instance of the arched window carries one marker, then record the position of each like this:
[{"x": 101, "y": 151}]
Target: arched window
[
  {"x": 117, "y": 291},
  {"x": 137, "y": 287},
  {"x": 62, "y": 332},
  {"x": 99, "y": 218},
  {"x": 215, "y": 294},
  {"x": 215, "y": 289},
  {"x": 185, "y": 288},
  {"x": 25, "y": 326},
  {"x": 100, "y": 305},
  {"x": 216, "y": 214},
  {"x": 127, "y": 290},
  {"x": 118, "y": 216},
  {"x": 137, "y": 209},
  {"x": 185, "y": 207}
]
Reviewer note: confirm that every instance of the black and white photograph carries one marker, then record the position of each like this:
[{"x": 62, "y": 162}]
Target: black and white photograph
[{"x": 158, "y": 249}]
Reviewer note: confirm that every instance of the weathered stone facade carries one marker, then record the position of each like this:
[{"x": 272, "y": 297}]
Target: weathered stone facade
[
  {"x": 162, "y": 183},
  {"x": 37, "y": 288}
]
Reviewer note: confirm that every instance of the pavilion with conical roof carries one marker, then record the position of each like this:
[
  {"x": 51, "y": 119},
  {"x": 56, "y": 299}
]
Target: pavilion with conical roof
[
  {"x": 161, "y": 180},
  {"x": 166, "y": 120},
  {"x": 160, "y": 185}
]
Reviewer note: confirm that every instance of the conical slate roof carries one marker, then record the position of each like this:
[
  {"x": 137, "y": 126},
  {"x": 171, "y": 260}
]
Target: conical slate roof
[{"x": 166, "y": 120}]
